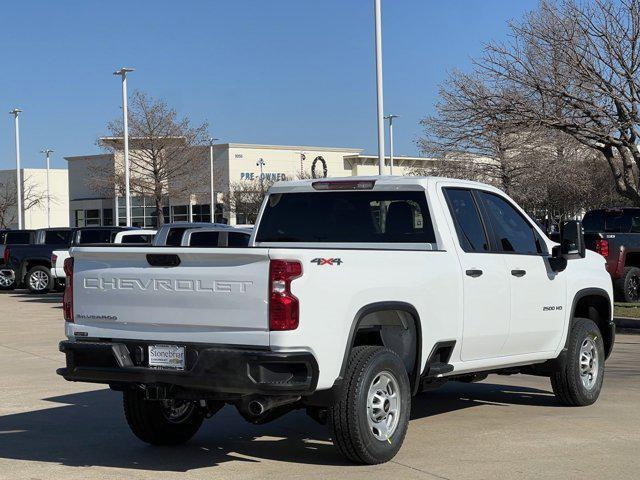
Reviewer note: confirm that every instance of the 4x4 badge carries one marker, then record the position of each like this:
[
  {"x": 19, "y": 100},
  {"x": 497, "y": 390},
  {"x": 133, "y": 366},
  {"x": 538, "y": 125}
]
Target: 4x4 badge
[{"x": 327, "y": 261}]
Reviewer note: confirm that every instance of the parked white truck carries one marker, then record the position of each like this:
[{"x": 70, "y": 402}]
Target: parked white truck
[{"x": 354, "y": 295}]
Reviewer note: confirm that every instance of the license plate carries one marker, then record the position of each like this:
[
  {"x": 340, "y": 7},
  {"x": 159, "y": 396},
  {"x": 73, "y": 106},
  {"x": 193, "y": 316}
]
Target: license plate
[{"x": 166, "y": 356}]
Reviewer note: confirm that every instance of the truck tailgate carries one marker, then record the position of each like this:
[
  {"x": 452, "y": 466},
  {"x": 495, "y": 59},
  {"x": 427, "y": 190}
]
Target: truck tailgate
[{"x": 210, "y": 297}]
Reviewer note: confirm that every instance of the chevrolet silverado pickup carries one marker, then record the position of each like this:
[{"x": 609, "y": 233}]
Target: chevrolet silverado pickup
[
  {"x": 354, "y": 295},
  {"x": 614, "y": 233}
]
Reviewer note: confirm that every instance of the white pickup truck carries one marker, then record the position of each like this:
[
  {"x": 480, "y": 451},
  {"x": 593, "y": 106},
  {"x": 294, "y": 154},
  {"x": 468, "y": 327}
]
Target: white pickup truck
[{"x": 354, "y": 295}]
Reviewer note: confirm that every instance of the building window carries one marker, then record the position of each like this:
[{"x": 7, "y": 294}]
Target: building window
[
  {"x": 219, "y": 216},
  {"x": 201, "y": 213},
  {"x": 143, "y": 212},
  {"x": 92, "y": 218},
  {"x": 79, "y": 218},
  {"x": 107, "y": 217},
  {"x": 179, "y": 213}
]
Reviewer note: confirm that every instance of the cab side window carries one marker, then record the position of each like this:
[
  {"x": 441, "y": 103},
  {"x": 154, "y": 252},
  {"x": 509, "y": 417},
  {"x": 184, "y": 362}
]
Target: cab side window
[
  {"x": 513, "y": 233},
  {"x": 466, "y": 217}
]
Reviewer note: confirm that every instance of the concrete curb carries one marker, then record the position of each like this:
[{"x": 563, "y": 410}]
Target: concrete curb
[{"x": 627, "y": 324}]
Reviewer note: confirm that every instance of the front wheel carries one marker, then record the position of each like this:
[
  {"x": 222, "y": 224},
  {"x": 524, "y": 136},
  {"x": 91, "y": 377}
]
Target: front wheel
[
  {"x": 370, "y": 418},
  {"x": 7, "y": 282},
  {"x": 39, "y": 280},
  {"x": 579, "y": 380},
  {"x": 161, "y": 422}
]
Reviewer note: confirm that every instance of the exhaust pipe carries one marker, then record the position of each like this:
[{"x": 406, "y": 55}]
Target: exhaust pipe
[{"x": 260, "y": 405}]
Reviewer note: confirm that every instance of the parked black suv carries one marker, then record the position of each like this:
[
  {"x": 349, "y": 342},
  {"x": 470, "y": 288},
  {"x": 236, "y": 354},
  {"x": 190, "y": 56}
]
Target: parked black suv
[{"x": 30, "y": 265}]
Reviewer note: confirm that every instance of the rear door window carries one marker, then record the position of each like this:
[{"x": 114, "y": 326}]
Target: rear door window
[
  {"x": 174, "y": 237},
  {"x": 18, "y": 238},
  {"x": 347, "y": 217},
  {"x": 57, "y": 237},
  {"x": 466, "y": 217}
]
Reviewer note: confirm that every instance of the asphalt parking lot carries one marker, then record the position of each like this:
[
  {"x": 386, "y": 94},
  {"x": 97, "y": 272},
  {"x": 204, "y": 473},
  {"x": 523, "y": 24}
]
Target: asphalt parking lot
[{"x": 502, "y": 428}]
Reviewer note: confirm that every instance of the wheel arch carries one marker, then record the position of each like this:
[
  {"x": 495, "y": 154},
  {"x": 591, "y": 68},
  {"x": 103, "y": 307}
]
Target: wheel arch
[
  {"x": 594, "y": 304},
  {"x": 368, "y": 328},
  {"x": 28, "y": 264}
]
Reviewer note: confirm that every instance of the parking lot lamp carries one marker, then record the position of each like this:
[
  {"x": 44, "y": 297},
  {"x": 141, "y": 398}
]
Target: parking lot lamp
[
  {"x": 390, "y": 118},
  {"x": 16, "y": 113},
  {"x": 213, "y": 193},
  {"x": 47, "y": 152},
  {"x": 378, "y": 29},
  {"x": 125, "y": 133}
]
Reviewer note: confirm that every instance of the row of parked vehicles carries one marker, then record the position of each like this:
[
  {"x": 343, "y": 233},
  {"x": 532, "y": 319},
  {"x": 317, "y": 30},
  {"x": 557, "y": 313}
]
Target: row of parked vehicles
[{"x": 34, "y": 259}]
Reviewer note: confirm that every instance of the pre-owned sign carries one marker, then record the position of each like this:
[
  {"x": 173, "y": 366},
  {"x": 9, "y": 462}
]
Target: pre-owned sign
[{"x": 265, "y": 176}]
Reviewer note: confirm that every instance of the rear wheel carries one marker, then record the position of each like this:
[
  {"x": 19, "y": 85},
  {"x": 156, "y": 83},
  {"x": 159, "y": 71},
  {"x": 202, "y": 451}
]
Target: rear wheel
[
  {"x": 39, "y": 279},
  {"x": 627, "y": 287},
  {"x": 161, "y": 422},
  {"x": 370, "y": 419},
  {"x": 579, "y": 381}
]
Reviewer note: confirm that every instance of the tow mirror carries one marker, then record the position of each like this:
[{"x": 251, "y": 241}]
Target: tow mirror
[{"x": 572, "y": 238}]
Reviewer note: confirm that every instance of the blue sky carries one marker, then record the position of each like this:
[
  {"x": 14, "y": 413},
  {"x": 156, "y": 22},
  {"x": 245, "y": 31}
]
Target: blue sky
[{"x": 276, "y": 72}]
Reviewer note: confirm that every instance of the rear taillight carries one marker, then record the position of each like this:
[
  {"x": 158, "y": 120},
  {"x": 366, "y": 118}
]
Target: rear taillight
[
  {"x": 602, "y": 247},
  {"x": 284, "y": 308},
  {"x": 6, "y": 255},
  {"x": 54, "y": 260},
  {"x": 67, "y": 299}
]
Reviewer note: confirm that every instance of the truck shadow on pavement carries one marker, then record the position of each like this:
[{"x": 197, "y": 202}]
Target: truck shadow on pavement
[
  {"x": 25, "y": 297},
  {"x": 90, "y": 430}
]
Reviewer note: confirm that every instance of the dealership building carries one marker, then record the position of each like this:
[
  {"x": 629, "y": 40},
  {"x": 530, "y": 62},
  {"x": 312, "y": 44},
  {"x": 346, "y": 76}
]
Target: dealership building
[
  {"x": 234, "y": 164},
  {"x": 38, "y": 209}
]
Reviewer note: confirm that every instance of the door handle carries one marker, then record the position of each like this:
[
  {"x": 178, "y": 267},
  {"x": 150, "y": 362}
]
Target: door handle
[
  {"x": 473, "y": 273},
  {"x": 518, "y": 273}
]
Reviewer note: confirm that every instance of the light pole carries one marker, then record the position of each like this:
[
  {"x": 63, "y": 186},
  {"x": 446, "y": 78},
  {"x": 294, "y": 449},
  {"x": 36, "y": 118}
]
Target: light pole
[
  {"x": 213, "y": 193},
  {"x": 260, "y": 163},
  {"x": 125, "y": 121},
  {"x": 48, "y": 153},
  {"x": 377, "y": 14},
  {"x": 390, "y": 117},
  {"x": 16, "y": 112}
]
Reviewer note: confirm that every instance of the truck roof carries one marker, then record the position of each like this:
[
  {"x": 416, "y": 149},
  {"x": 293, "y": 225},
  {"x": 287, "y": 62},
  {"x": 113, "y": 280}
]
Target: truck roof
[{"x": 380, "y": 181}]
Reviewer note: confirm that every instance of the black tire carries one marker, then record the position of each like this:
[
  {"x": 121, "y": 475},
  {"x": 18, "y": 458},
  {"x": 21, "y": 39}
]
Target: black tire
[
  {"x": 567, "y": 382},
  {"x": 349, "y": 416},
  {"x": 39, "y": 280},
  {"x": 627, "y": 288},
  {"x": 150, "y": 420},
  {"x": 5, "y": 284}
]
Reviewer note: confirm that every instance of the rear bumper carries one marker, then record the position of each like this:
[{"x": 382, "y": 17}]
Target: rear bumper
[{"x": 208, "y": 368}]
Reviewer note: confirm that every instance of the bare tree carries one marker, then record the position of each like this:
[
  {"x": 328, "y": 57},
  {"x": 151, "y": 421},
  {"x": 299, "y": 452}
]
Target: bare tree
[
  {"x": 32, "y": 197},
  {"x": 245, "y": 198},
  {"x": 574, "y": 66},
  {"x": 474, "y": 139},
  {"x": 166, "y": 152}
]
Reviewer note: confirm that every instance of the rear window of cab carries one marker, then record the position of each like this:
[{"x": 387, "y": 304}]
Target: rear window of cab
[{"x": 347, "y": 217}]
